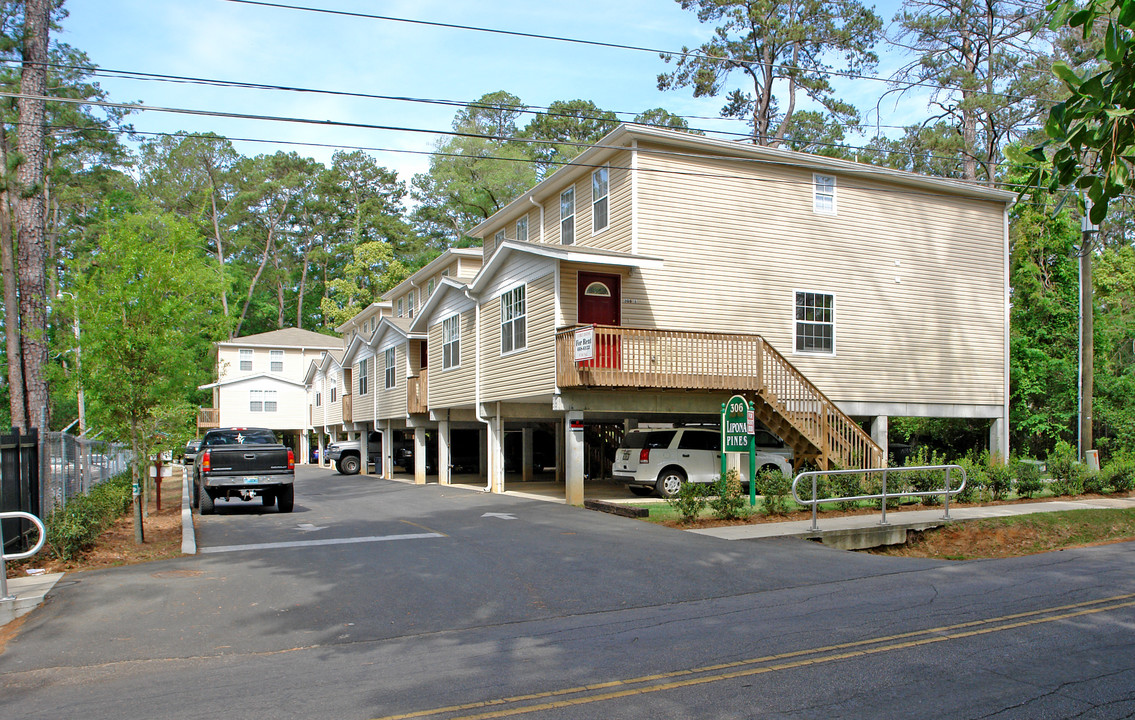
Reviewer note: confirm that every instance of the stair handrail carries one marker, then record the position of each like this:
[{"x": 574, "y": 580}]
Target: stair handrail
[
  {"x": 827, "y": 406},
  {"x": 4, "y": 596}
]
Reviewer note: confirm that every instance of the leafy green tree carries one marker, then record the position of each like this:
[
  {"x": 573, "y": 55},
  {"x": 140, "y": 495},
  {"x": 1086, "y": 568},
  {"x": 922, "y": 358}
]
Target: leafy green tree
[
  {"x": 661, "y": 117},
  {"x": 566, "y": 129},
  {"x": 474, "y": 174},
  {"x": 1114, "y": 409},
  {"x": 813, "y": 132},
  {"x": 925, "y": 149},
  {"x": 149, "y": 302},
  {"x": 783, "y": 49},
  {"x": 984, "y": 64},
  {"x": 372, "y": 271},
  {"x": 1091, "y": 134}
]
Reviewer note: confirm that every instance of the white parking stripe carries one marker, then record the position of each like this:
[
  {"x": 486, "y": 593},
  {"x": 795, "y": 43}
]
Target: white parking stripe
[{"x": 309, "y": 543}]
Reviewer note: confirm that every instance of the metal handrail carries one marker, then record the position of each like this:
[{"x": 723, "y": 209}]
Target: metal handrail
[
  {"x": 945, "y": 493},
  {"x": 4, "y": 596}
]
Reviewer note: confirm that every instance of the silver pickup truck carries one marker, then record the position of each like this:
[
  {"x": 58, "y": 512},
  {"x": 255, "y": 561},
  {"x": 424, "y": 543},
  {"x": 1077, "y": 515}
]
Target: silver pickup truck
[{"x": 243, "y": 463}]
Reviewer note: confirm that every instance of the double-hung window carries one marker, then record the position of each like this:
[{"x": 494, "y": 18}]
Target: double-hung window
[
  {"x": 567, "y": 217},
  {"x": 400, "y": 307},
  {"x": 451, "y": 342},
  {"x": 269, "y": 401},
  {"x": 246, "y": 360},
  {"x": 823, "y": 194},
  {"x": 334, "y": 381},
  {"x": 514, "y": 330},
  {"x": 276, "y": 360},
  {"x": 599, "y": 190},
  {"x": 522, "y": 229},
  {"x": 498, "y": 239},
  {"x": 815, "y": 323},
  {"x": 430, "y": 289},
  {"x": 413, "y": 302},
  {"x": 391, "y": 367},
  {"x": 256, "y": 401},
  {"x": 363, "y": 377},
  {"x": 318, "y": 398}
]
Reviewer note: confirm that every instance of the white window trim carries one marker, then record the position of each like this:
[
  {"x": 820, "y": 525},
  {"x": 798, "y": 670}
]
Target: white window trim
[
  {"x": 816, "y": 195},
  {"x": 572, "y": 216},
  {"x": 594, "y": 200},
  {"x": 272, "y": 355},
  {"x": 364, "y": 378},
  {"x": 251, "y": 359},
  {"x": 400, "y": 306},
  {"x": 519, "y": 223},
  {"x": 814, "y": 353},
  {"x": 274, "y": 400},
  {"x": 388, "y": 366},
  {"x": 255, "y": 397},
  {"x": 456, "y": 339},
  {"x": 515, "y": 350}
]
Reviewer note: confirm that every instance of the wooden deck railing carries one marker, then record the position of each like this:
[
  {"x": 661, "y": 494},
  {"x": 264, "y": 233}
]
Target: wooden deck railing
[
  {"x": 208, "y": 417},
  {"x": 417, "y": 393},
  {"x": 679, "y": 359}
]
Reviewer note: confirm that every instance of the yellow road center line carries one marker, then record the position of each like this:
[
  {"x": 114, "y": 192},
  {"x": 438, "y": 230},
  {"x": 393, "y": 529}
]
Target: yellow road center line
[{"x": 945, "y": 632}]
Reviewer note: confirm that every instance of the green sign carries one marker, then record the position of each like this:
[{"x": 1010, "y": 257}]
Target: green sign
[{"x": 735, "y": 433}]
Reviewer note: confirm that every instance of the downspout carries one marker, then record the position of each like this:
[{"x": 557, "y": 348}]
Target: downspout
[{"x": 477, "y": 380}]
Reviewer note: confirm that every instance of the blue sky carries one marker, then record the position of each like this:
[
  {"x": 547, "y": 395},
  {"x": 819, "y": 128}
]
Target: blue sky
[{"x": 224, "y": 40}]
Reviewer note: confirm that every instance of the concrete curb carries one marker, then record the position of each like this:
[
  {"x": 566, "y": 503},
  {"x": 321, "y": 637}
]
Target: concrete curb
[
  {"x": 28, "y": 593},
  {"x": 188, "y": 535}
]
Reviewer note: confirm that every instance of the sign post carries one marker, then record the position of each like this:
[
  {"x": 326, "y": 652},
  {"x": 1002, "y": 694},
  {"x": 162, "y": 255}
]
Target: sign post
[{"x": 738, "y": 422}]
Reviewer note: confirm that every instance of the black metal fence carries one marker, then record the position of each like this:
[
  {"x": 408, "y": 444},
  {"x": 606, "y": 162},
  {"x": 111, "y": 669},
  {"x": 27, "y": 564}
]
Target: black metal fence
[
  {"x": 19, "y": 485},
  {"x": 42, "y": 471}
]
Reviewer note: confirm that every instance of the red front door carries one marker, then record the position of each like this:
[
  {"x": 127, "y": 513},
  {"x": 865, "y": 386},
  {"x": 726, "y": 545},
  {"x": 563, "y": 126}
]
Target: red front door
[{"x": 598, "y": 304}]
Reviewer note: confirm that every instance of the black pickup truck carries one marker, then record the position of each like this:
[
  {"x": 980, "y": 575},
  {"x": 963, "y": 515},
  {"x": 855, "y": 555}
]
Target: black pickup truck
[{"x": 243, "y": 463}]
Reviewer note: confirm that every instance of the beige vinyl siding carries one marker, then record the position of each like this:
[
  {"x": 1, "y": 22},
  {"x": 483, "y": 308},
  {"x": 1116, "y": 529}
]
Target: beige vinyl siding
[
  {"x": 452, "y": 387},
  {"x": 617, "y": 235},
  {"x": 739, "y": 238},
  {"x": 529, "y": 372},
  {"x": 334, "y": 410},
  {"x": 363, "y": 408},
  {"x": 392, "y": 401}
]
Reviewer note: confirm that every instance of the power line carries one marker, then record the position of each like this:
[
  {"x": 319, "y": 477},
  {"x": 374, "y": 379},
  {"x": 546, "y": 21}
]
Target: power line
[{"x": 616, "y": 46}]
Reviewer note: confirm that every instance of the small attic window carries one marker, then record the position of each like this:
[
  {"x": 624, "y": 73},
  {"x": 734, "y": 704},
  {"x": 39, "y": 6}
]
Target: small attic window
[{"x": 597, "y": 289}]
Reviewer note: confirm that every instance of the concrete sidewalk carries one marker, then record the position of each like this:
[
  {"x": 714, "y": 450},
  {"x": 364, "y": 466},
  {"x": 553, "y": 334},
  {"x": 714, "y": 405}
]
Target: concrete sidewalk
[{"x": 856, "y": 532}]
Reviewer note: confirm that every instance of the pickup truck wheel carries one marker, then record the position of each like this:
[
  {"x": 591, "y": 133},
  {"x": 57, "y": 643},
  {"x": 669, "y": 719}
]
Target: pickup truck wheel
[
  {"x": 194, "y": 500},
  {"x": 285, "y": 498},
  {"x": 268, "y": 499},
  {"x": 669, "y": 482},
  {"x": 349, "y": 465},
  {"x": 206, "y": 502}
]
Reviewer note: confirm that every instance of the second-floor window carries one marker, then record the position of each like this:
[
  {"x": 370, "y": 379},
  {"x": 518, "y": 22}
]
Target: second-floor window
[
  {"x": 276, "y": 359},
  {"x": 815, "y": 323},
  {"x": 318, "y": 399},
  {"x": 245, "y": 360},
  {"x": 430, "y": 289},
  {"x": 599, "y": 186},
  {"x": 391, "y": 368},
  {"x": 567, "y": 217},
  {"x": 262, "y": 401},
  {"x": 334, "y": 387},
  {"x": 363, "y": 377},
  {"x": 514, "y": 321},
  {"x": 400, "y": 311},
  {"x": 497, "y": 240},
  {"x": 522, "y": 229},
  {"x": 823, "y": 194},
  {"x": 412, "y": 303},
  {"x": 451, "y": 342}
]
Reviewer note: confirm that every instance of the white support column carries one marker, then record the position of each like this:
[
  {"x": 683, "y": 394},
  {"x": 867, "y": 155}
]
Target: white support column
[
  {"x": 444, "y": 476},
  {"x": 419, "y": 456},
  {"x": 879, "y": 433},
  {"x": 999, "y": 439},
  {"x": 322, "y": 449},
  {"x": 388, "y": 452},
  {"x": 526, "y": 455},
  {"x": 496, "y": 454},
  {"x": 305, "y": 448},
  {"x": 573, "y": 458}
]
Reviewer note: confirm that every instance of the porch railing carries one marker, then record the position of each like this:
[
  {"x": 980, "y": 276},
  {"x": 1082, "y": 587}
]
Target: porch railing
[
  {"x": 417, "y": 393},
  {"x": 208, "y": 417},
  {"x": 679, "y": 359}
]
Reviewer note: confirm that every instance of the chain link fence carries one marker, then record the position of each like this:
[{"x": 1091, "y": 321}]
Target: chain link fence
[{"x": 72, "y": 465}]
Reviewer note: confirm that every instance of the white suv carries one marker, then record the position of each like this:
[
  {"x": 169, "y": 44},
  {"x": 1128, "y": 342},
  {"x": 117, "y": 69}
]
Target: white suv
[{"x": 660, "y": 460}]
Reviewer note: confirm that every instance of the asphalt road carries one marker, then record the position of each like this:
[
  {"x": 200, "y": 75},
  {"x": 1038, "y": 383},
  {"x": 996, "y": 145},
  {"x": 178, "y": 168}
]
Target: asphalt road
[{"x": 377, "y": 599}]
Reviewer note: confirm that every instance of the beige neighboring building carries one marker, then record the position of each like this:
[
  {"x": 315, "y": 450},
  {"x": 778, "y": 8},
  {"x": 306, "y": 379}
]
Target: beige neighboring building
[
  {"x": 261, "y": 383},
  {"x": 833, "y": 295}
]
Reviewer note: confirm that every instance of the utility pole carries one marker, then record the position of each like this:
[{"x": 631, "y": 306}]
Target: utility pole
[{"x": 1087, "y": 334}]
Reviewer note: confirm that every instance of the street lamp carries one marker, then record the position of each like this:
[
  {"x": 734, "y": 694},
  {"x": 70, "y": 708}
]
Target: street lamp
[{"x": 78, "y": 363}]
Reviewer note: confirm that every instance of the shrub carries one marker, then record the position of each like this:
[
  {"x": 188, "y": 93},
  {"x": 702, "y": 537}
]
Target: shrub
[
  {"x": 1094, "y": 482},
  {"x": 1067, "y": 475},
  {"x": 774, "y": 487},
  {"x": 976, "y": 480},
  {"x": 847, "y": 486},
  {"x": 926, "y": 480},
  {"x": 73, "y": 527},
  {"x": 1028, "y": 479},
  {"x": 690, "y": 501},
  {"x": 729, "y": 503},
  {"x": 999, "y": 478},
  {"x": 1119, "y": 475}
]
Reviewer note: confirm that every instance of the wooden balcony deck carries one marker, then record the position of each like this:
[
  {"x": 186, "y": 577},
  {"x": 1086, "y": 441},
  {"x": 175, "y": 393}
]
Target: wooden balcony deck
[
  {"x": 417, "y": 393},
  {"x": 208, "y": 418},
  {"x": 787, "y": 402}
]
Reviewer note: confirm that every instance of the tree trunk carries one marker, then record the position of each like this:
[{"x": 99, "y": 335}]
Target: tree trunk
[
  {"x": 30, "y": 211},
  {"x": 220, "y": 252}
]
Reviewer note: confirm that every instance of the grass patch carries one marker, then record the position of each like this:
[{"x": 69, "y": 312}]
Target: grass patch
[{"x": 1021, "y": 535}]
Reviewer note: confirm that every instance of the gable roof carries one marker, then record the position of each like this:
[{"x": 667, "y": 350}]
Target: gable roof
[
  {"x": 433, "y": 266},
  {"x": 624, "y": 136},
  {"x": 334, "y": 357},
  {"x": 561, "y": 253},
  {"x": 363, "y": 315},
  {"x": 246, "y": 378},
  {"x": 294, "y": 338},
  {"x": 448, "y": 285}
]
